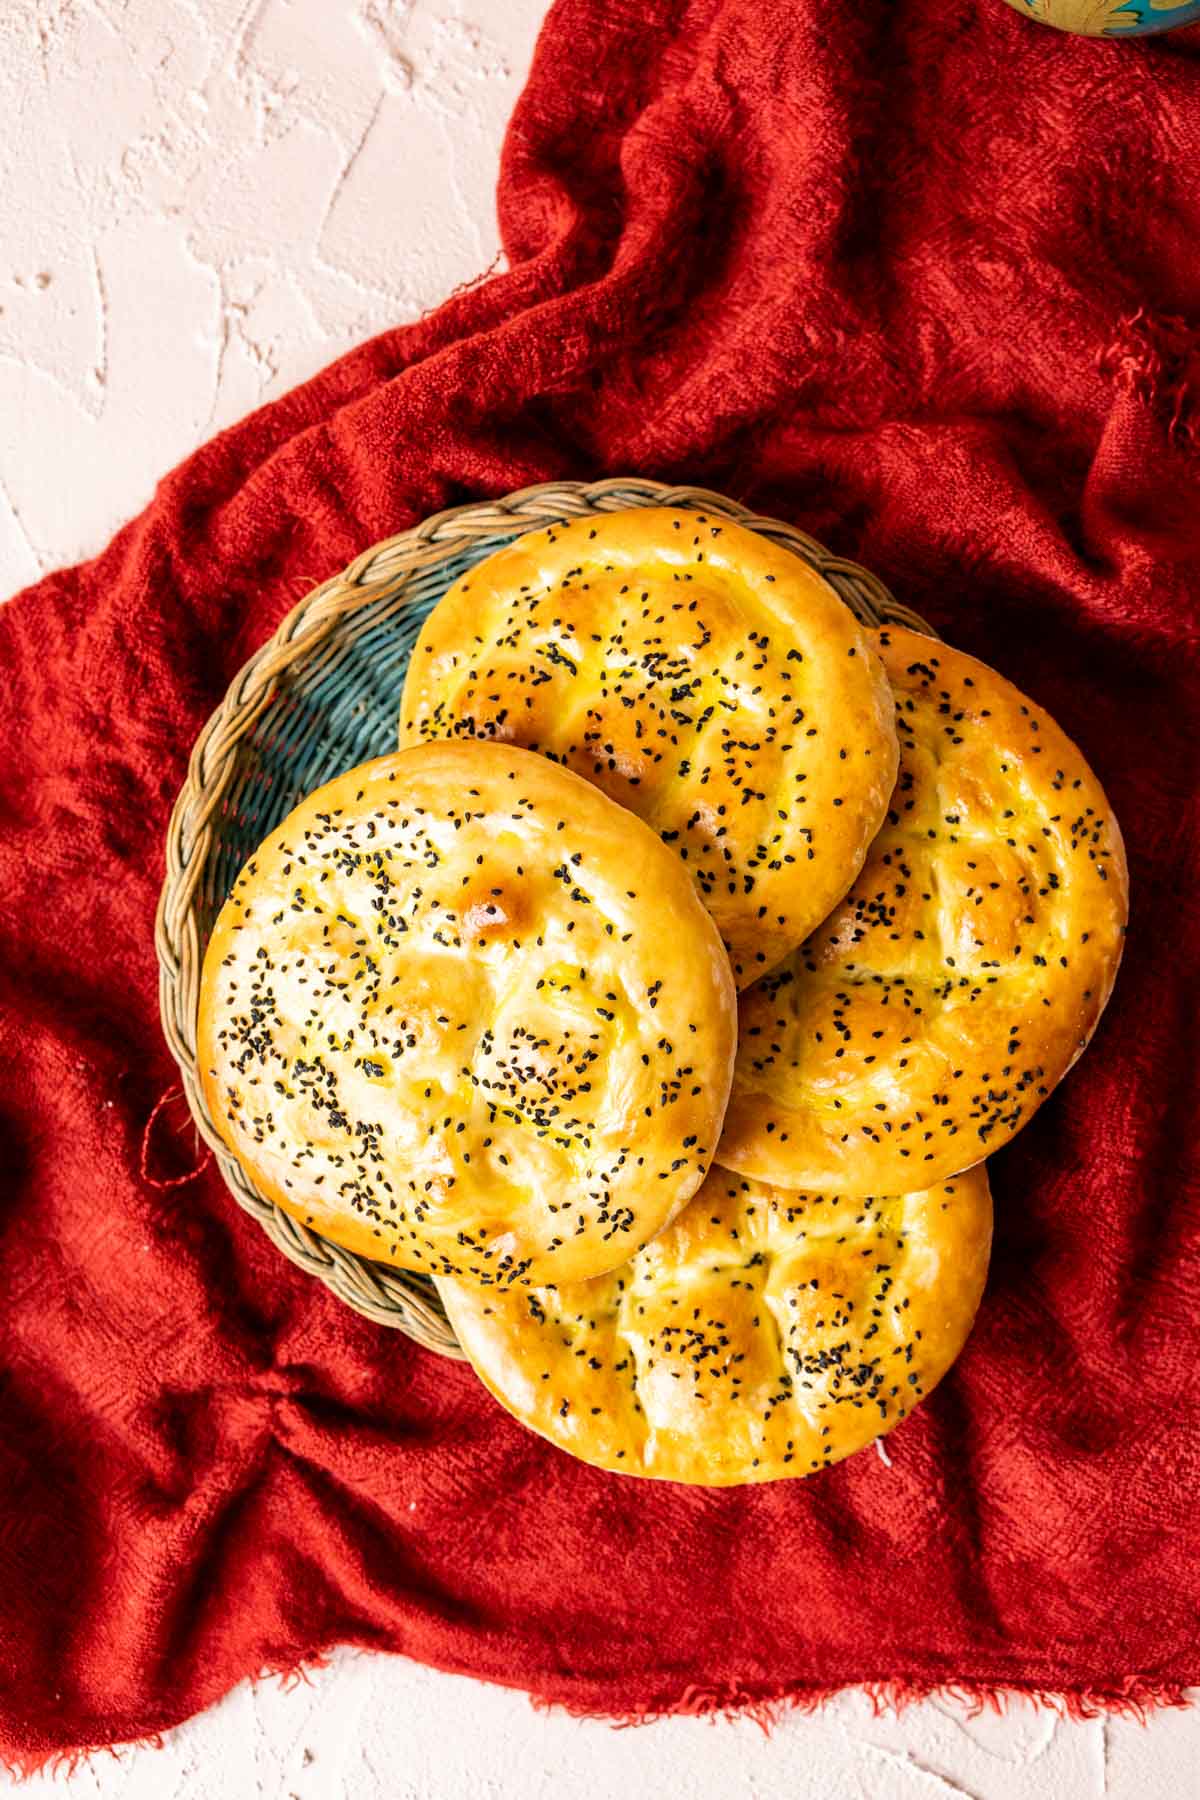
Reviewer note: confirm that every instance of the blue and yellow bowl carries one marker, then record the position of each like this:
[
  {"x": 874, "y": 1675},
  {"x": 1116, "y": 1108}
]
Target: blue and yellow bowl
[{"x": 1110, "y": 18}]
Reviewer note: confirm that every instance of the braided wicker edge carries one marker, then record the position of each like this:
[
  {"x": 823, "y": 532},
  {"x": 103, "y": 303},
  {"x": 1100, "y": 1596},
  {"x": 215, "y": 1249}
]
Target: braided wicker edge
[{"x": 397, "y": 1298}]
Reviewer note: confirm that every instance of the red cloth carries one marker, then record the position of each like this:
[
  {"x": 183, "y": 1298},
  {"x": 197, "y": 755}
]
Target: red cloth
[{"x": 921, "y": 277}]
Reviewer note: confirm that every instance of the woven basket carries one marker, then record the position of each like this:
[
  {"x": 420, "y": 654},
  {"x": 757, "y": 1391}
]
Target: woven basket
[{"x": 321, "y": 696}]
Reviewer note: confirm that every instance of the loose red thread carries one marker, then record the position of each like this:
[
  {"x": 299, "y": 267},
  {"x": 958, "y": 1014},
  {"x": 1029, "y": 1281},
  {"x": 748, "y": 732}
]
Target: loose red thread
[{"x": 174, "y": 1181}]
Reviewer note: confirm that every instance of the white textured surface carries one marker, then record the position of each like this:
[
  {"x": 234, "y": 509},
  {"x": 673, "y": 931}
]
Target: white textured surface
[{"x": 202, "y": 202}]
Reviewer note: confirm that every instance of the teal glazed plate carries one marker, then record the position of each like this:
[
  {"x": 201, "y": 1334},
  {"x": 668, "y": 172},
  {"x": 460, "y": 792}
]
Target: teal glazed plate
[{"x": 1110, "y": 18}]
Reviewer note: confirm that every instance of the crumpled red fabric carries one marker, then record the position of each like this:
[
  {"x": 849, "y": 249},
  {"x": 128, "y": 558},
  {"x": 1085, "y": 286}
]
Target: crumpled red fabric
[{"x": 922, "y": 278}]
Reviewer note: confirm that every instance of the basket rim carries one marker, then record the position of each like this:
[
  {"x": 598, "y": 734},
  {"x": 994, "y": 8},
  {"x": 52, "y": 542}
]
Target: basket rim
[{"x": 393, "y": 1297}]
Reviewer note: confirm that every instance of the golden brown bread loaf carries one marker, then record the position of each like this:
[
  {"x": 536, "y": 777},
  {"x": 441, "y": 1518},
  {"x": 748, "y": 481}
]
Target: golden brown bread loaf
[
  {"x": 764, "y": 1334},
  {"x": 463, "y": 1012},
  {"x": 928, "y": 1017},
  {"x": 703, "y": 677}
]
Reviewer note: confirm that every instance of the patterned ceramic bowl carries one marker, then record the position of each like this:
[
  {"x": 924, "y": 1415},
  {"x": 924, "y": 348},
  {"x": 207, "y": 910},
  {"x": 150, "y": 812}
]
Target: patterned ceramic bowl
[{"x": 1111, "y": 18}]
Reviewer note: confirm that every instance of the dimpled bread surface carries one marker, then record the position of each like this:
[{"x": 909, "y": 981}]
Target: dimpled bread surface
[
  {"x": 703, "y": 677},
  {"x": 462, "y": 1013},
  {"x": 925, "y": 1021},
  {"x": 765, "y": 1334}
]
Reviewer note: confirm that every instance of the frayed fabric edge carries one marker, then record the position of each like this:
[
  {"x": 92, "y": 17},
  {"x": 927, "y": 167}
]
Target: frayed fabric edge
[
  {"x": 23, "y": 1765},
  {"x": 1136, "y": 1698},
  {"x": 1156, "y": 359}
]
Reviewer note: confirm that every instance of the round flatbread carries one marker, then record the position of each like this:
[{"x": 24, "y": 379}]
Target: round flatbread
[
  {"x": 927, "y": 1019},
  {"x": 463, "y": 1013},
  {"x": 765, "y": 1334},
  {"x": 705, "y": 678}
]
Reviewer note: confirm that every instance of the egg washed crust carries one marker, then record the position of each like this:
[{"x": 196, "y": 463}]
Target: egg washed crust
[
  {"x": 463, "y": 1014},
  {"x": 925, "y": 1021},
  {"x": 703, "y": 677},
  {"x": 765, "y": 1334}
]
